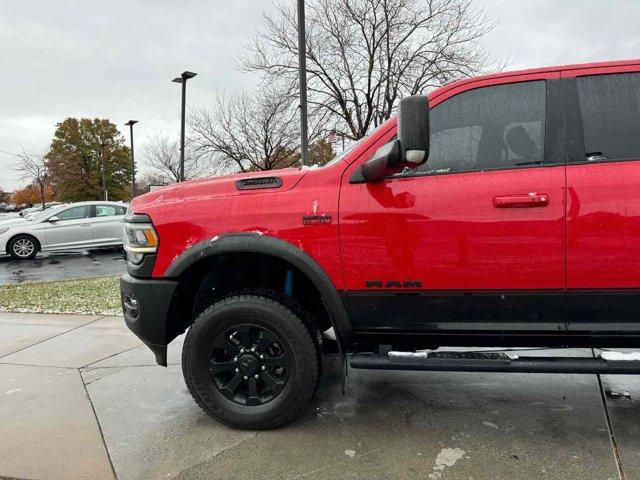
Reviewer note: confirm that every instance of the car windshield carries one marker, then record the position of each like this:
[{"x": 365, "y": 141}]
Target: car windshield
[{"x": 36, "y": 217}]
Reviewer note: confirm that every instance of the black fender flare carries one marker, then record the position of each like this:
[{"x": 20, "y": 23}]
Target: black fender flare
[{"x": 263, "y": 244}]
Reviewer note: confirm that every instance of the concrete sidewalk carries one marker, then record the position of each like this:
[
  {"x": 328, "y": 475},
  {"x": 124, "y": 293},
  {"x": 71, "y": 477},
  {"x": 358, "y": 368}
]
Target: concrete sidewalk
[{"x": 81, "y": 398}]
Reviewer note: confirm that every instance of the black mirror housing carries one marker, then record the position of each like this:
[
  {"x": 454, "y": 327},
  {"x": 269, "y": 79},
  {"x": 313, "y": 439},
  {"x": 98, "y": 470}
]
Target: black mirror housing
[
  {"x": 411, "y": 149},
  {"x": 413, "y": 130},
  {"x": 378, "y": 166}
]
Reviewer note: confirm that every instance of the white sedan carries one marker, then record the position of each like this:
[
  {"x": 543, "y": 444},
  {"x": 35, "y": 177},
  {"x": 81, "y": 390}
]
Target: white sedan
[{"x": 70, "y": 226}]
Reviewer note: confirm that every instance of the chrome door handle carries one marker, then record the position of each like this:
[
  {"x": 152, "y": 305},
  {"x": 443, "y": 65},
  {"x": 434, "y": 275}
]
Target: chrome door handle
[{"x": 86, "y": 224}]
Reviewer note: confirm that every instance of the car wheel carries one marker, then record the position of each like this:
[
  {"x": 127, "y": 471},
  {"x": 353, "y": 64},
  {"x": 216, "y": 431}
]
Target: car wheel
[
  {"x": 23, "y": 247},
  {"x": 250, "y": 362}
]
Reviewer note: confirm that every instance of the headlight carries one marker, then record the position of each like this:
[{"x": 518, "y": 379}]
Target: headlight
[
  {"x": 139, "y": 239},
  {"x": 3, "y": 230}
]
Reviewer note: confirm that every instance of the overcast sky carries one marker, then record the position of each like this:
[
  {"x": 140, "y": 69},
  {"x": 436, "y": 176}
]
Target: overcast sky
[{"x": 116, "y": 59}]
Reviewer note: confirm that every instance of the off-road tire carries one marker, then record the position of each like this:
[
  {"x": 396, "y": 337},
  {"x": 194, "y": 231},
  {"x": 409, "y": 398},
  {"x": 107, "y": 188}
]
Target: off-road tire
[
  {"x": 297, "y": 341},
  {"x": 23, "y": 238}
]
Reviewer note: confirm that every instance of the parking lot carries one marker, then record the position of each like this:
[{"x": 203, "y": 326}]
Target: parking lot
[
  {"x": 81, "y": 398},
  {"x": 62, "y": 266}
]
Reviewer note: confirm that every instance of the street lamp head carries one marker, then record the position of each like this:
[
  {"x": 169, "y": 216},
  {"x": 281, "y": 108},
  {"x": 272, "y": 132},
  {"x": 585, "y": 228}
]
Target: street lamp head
[
  {"x": 177, "y": 80},
  {"x": 187, "y": 75},
  {"x": 131, "y": 122}
]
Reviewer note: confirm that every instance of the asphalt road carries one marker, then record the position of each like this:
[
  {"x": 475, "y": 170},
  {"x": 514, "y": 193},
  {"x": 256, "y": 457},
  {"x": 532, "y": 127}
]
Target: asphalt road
[{"x": 62, "y": 266}]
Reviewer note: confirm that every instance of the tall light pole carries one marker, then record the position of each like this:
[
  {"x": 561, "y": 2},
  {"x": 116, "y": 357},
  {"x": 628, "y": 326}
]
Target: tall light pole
[
  {"x": 131, "y": 123},
  {"x": 302, "y": 72},
  {"x": 183, "y": 80},
  {"x": 104, "y": 184}
]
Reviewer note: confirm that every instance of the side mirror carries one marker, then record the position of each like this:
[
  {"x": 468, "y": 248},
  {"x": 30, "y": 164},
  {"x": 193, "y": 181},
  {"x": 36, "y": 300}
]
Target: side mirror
[
  {"x": 53, "y": 219},
  {"x": 384, "y": 159},
  {"x": 411, "y": 149},
  {"x": 413, "y": 130}
]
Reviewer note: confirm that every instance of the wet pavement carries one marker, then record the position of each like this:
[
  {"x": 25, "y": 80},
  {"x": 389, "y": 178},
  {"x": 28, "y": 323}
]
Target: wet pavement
[
  {"x": 47, "y": 266},
  {"x": 81, "y": 398}
]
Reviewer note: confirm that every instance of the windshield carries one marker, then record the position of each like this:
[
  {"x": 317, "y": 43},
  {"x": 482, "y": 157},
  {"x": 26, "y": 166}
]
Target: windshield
[
  {"x": 349, "y": 148},
  {"x": 36, "y": 217}
]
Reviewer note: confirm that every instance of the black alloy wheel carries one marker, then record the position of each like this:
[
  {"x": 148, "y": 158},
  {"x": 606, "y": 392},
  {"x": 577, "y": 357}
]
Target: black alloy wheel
[{"x": 249, "y": 364}]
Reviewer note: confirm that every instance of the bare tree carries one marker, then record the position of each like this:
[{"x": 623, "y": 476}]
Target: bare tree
[
  {"x": 364, "y": 55},
  {"x": 252, "y": 132},
  {"x": 162, "y": 155},
  {"x": 33, "y": 168}
]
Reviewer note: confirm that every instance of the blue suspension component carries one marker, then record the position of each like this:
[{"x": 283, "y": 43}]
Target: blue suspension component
[{"x": 288, "y": 283}]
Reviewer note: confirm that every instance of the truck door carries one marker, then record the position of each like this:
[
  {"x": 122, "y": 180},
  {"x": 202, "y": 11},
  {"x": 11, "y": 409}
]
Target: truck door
[
  {"x": 603, "y": 210},
  {"x": 474, "y": 239}
]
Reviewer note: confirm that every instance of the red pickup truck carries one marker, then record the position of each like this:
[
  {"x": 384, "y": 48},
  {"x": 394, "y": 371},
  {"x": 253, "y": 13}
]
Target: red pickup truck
[{"x": 499, "y": 211}]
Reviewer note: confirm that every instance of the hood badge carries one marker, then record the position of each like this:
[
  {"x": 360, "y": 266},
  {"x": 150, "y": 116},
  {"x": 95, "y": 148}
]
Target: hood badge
[
  {"x": 258, "y": 183},
  {"x": 316, "y": 219}
]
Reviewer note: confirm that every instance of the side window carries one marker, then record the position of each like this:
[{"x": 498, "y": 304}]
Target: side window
[
  {"x": 109, "y": 210},
  {"x": 75, "y": 213},
  {"x": 488, "y": 128},
  {"x": 610, "y": 110}
]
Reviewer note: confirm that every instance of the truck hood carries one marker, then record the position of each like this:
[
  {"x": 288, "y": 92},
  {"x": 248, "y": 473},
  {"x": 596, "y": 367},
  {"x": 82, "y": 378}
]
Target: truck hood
[{"x": 217, "y": 187}]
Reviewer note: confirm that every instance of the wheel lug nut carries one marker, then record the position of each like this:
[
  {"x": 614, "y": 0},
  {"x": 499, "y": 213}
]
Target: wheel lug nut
[
  {"x": 242, "y": 350},
  {"x": 235, "y": 359},
  {"x": 237, "y": 370},
  {"x": 230, "y": 337},
  {"x": 253, "y": 349},
  {"x": 256, "y": 376},
  {"x": 261, "y": 357},
  {"x": 246, "y": 378},
  {"x": 263, "y": 367}
]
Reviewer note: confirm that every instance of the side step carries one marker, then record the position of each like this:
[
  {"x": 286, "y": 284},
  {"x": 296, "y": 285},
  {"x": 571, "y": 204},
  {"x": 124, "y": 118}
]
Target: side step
[{"x": 492, "y": 362}]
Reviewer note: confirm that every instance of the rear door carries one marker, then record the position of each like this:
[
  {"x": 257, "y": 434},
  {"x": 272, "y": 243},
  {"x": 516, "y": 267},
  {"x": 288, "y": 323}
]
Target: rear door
[
  {"x": 71, "y": 230},
  {"x": 107, "y": 224},
  {"x": 474, "y": 239},
  {"x": 603, "y": 210}
]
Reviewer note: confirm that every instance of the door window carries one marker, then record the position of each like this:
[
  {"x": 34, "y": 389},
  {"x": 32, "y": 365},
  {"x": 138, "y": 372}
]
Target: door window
[
  {"x": 109, "y": 210},
  {"x": 610, "y": 110},
  {"x": 75, "y": 213},
  {"x": 496, "y": 127}
]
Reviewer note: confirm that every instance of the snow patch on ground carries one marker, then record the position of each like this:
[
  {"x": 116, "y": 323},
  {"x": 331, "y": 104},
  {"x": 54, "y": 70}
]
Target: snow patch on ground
[
  {"x": 491, "y": 425},
  {"x": 619, "y": 356},
  {"x": 616, "y": 394},
  {"x": 11, "y": 392},
  {"x": 446, "y": 458},
  {"x": 350, "y": 453}
]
